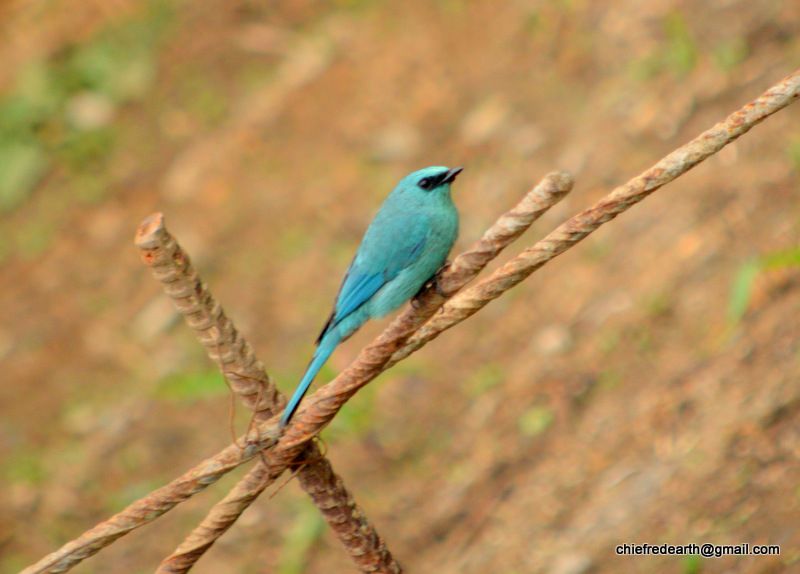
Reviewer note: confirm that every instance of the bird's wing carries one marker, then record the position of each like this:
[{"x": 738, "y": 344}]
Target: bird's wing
[
  {"x": 380, "y": 262},
  {"x": 358, "y": 288}
]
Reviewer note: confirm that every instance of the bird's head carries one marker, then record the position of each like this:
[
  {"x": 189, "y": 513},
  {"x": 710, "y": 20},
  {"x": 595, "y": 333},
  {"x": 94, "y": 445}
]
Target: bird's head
[{"x": 431, "y": 180}]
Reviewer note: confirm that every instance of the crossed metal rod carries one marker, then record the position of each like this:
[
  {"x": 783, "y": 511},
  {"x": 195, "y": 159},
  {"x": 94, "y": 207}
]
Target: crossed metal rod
[{"x": 417, "y": 325}]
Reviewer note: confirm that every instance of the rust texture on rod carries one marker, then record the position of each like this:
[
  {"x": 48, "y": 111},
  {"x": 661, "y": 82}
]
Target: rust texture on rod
[{"x": 216, "y": 332}]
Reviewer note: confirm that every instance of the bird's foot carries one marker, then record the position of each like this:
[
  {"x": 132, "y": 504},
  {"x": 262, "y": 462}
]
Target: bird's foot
[
  {"x": 432, "y": 282},
  {"x": 436, "y": 277}
]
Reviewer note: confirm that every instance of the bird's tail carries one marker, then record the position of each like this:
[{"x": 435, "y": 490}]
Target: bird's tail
[{"x": 324, "y": 350}]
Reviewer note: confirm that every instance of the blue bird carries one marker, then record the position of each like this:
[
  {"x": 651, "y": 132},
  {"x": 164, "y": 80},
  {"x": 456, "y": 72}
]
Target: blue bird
[{"x": 404, "y": 247}]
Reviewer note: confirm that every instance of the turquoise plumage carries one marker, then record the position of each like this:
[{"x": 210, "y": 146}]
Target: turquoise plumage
[{"x": 404, "y": 246}]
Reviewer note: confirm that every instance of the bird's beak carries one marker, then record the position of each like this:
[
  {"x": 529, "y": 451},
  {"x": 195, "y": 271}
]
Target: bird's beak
[{"x": 450, "y": 175}]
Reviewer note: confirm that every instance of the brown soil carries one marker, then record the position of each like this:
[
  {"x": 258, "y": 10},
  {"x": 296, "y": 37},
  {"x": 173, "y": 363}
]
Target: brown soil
[{"x": 606, "y": 400}]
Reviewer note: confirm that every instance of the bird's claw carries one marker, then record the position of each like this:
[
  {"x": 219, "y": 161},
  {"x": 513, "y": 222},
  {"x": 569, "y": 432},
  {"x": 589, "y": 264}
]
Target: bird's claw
[
  {"x": 436, "y": 277},
  {"x": 432, "y": 282}
]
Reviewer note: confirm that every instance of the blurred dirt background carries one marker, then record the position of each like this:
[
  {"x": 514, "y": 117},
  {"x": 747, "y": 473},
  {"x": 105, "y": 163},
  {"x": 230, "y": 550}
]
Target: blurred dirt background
[{"x": 641, "y": 388}]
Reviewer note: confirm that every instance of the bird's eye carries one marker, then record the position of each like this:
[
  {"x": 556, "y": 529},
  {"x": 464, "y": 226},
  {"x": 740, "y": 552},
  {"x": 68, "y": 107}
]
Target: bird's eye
[{"x": 425, "y": 183}]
